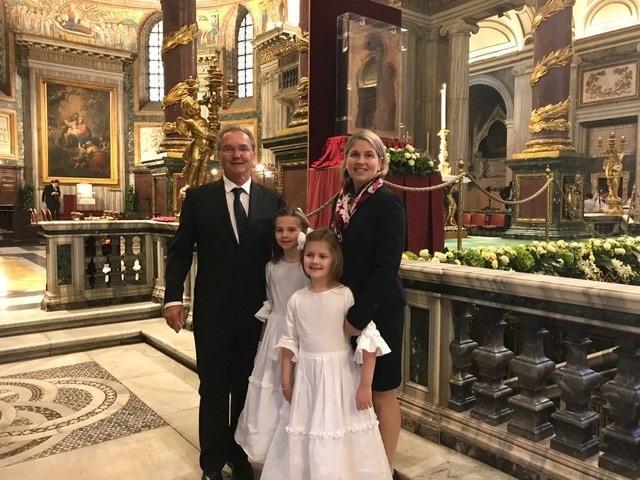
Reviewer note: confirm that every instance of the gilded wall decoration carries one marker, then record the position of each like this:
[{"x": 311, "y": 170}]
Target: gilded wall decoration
[
  {"x": 549, "y": 9},
  {"x": 78, "y": 132},
  {"x": 613, "y": 82},
  {"x": 77, "y": 21}
]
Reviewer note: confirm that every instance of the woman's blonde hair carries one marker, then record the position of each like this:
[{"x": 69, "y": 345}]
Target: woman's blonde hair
[{"x": 378, "y": 147}]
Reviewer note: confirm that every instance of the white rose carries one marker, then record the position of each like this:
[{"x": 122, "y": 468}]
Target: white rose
[
  {"x": 407, "y": 155},
  {"x": 606, "y": 246},
  {"x": 494, "y": 264},
  {"x": 597, "y": 242},
  {"x": 592, "y": 258},
  {"x": 430, "y": 163},
  {"x": 411, "y": 162},
  {"x": 551, "y": 247},
  {"x": 405, "y": 256},
  {"x": 504, "y": 260},
  {"x": 424, "y": 252},
  {"x": 440, "y": 256},
  {"x": 435, "y": 260},
  {"x": 540, "y": 250},
  {"x": 457, "y": 262},
  {"x": 410, "y": 148},
  {"x": 619, "y": 251}
]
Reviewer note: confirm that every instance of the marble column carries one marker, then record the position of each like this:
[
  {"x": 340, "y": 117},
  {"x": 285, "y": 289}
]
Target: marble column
[
  {"x": 272, "y": 110},
  {"x": 300, "y": 117},
  {"x": 179, "y": 59},
  {"x": 550, "y": 79},
  {"x": 458, "y": 33},
  {"x": 521, "y": 108}
]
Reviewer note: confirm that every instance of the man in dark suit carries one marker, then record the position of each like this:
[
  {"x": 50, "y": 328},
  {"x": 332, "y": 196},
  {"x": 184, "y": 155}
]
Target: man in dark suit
[
  {"x": 231, "y": 223},
  {"x": 51, "y": 197}
]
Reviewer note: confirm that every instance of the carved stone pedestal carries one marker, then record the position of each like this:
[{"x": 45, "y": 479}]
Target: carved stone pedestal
[{"x": 290, "y": 149}]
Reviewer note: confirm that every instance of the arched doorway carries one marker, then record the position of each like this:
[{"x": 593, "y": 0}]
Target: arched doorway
[{"x": 488, "y": 141}]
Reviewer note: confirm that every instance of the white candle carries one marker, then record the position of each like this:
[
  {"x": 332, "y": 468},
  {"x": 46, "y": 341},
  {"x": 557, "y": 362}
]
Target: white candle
[{"x": 443, "y": 107}]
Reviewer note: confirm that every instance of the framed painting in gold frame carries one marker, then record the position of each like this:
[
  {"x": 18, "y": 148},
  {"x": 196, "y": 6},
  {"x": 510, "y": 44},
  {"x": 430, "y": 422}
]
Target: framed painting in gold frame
[
  {"x": 77, "y": 131},
  {"x": 8, "y": 134}
]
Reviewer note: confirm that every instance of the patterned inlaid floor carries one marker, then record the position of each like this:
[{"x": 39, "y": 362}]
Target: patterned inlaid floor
[{"x": 46, "y": 412}]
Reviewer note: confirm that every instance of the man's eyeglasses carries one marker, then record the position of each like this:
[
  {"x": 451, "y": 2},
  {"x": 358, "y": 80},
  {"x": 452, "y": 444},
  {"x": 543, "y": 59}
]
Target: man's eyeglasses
[{"x": 240, "y": 149}]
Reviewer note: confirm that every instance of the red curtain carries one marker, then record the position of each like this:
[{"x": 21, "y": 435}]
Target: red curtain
[
  {"x": 425, "y": 211},
  {"x": 322, "y": 184}
]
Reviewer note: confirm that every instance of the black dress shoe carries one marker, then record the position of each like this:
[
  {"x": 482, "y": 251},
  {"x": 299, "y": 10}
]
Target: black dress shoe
[
  {"x": 396, "y": 475},
  {"x": 241, "y": 470},
  {"x": 212, "y": 476}
]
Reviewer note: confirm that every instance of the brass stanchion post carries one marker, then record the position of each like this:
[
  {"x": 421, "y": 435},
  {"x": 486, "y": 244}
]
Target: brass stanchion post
[
  {"x": 460, "y": 203},
  {"x": 549, "y": 201}
]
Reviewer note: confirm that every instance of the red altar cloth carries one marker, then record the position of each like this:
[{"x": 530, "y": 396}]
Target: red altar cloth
[{"x": 425, "y": 211}]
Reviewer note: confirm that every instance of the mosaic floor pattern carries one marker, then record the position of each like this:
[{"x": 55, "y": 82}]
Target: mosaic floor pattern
[{"x": 55, "y": 410}]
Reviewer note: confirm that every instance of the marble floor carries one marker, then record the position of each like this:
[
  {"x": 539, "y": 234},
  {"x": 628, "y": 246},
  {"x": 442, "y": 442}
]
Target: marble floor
[{"x": 22, "y": 271}]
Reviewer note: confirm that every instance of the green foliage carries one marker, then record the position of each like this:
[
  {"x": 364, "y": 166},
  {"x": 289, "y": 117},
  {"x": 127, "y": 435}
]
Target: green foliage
[
  {"x": 27, "y": 194},
  {"x": 410, "y": 160},
  {"x": 611, "y": 260},
  {"x": 130, "y": 201}
]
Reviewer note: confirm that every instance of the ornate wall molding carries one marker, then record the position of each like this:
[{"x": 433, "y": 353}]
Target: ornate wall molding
[{"x": 275, "y": 43}]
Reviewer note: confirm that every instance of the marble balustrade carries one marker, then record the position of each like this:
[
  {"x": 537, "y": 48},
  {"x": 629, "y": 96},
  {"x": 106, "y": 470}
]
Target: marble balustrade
[
  {"x": 91, "y": 263},
  {"x": 538, "y": 374}
]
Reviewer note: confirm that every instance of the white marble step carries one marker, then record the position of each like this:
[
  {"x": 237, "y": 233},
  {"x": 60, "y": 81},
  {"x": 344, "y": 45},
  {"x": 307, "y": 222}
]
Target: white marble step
[{"x": 34, "y": 320}]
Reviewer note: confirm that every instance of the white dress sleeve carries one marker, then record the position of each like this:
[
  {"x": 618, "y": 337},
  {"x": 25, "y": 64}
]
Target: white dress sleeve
[
  {"x": 289, "y": 339},
  {"x": 267, "y": 306},
  {"x": 371, "y": 341}
]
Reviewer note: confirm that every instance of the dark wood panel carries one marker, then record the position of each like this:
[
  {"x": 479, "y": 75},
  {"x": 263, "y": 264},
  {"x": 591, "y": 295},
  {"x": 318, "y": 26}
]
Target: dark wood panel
[{"x": 144, "y": 189}]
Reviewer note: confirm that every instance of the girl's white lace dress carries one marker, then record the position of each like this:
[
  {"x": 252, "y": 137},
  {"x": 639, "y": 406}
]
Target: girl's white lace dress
[
  {"x": 321, "y": 434},
  {"x": 259, "y": 418}
]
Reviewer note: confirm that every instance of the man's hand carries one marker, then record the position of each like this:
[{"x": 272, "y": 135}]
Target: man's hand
[
  {"x": 350, "y": 330},
  {"x": 176, "y": 317}
]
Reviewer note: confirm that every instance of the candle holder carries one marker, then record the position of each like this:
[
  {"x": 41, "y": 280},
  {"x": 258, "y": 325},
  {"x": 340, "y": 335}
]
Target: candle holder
[
  {"x": 612, "y": 167},
  {"x": 443, "y": 155}
]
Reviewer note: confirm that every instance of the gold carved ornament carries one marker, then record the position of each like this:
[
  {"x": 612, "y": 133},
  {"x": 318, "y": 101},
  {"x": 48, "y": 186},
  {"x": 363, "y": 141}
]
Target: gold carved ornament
[
  {"x": 550, "y": 117},
  {"x": 185, "y": 35},
  {"x": 557, "y": 58},
  {"x": 178, "y": 92},
  {"x": 548, "y": 10}
]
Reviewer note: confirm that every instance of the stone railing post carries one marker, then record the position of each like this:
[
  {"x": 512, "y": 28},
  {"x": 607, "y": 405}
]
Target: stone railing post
[{"x": 461, "y": 348}]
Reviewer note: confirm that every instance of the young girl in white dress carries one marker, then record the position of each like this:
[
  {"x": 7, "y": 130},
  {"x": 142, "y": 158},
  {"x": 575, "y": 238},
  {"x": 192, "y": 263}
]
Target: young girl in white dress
[
  {"x": 328, "y": 430},
  {"x": 284, "y": 274}
]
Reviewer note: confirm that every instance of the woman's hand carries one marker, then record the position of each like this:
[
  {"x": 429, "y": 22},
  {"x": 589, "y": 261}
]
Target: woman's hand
[
  {"x": 350, "y": 330},
  {"x": 364, "y": 398}
]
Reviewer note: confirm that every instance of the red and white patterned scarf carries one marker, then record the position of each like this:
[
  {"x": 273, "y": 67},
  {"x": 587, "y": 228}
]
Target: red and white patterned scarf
[{"x": 348, "y": 202}]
